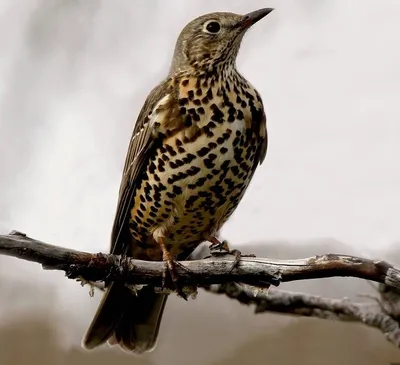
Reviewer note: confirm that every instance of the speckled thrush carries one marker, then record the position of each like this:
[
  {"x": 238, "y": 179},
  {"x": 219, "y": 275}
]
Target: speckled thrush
[{"x": 197, "y": 142}]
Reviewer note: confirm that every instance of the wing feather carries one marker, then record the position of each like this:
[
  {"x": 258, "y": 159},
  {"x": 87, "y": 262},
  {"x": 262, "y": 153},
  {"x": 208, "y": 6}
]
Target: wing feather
[
  {"x": 144, "y": 139},
  {"x": 264, "y": 135}
]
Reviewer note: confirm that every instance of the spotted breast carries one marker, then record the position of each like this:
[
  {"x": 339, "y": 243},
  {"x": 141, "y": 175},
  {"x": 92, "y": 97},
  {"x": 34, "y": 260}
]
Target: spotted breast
[{"x": 198, "y": 175}]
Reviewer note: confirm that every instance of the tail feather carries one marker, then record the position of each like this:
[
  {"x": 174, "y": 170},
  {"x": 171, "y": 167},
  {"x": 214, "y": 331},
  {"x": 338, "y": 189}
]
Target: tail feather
[
  {"x": 139, "y": 326},
  {"x": 129, "y": 319}
]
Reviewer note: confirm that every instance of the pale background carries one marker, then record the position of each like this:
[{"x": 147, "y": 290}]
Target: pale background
[{"x": 74, "y": 75}]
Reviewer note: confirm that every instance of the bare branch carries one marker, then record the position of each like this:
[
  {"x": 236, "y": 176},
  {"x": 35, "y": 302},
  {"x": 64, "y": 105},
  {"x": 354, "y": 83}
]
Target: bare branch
[
  {"x": 371, "y": 314},
  {"x": 214, "y": 270},
  {"x": 254, "y": 274}
]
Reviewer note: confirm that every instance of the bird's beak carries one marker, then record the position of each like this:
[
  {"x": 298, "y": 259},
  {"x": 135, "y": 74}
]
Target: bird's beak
[{"x": 251, "y": 18}]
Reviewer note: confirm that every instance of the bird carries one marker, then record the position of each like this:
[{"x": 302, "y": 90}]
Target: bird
[{"x": 196, "y": 144}]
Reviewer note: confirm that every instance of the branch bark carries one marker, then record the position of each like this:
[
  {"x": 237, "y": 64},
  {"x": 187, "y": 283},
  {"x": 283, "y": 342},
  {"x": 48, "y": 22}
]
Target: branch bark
[
  {"x": 215, "y": 274},
  {"x": 371, "y": 314},
  {"x": 214, "y": 270}
]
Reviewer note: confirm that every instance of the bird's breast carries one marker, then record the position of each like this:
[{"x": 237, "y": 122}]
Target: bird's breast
[{"x": 198, "y": 175}]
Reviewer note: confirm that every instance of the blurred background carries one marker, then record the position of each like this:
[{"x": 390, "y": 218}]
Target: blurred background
[{"x": 74, "y": 75}]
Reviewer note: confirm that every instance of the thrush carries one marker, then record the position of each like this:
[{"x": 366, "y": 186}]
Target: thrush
[{"x": 196, "y": 144}]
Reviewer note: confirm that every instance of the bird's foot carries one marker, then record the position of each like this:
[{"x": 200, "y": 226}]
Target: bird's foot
[
  {"x": 170, "y": 267},
  {"x": 238, "y": 255},
  {"x": 218, "y": 248}
]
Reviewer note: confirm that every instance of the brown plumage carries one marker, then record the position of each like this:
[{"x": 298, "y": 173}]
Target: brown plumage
[{"x": 196, "y": 144}]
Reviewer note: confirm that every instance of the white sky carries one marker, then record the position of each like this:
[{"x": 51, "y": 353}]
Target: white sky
[{"x": 75, "y": 74}]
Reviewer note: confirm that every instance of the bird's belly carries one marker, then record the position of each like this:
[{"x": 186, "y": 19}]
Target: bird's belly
[{"x": 192, "y": 188}]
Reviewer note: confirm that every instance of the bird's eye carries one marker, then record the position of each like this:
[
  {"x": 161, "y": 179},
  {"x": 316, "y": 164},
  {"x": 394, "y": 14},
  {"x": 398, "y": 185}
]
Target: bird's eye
[{"x": 212, "y": 27}]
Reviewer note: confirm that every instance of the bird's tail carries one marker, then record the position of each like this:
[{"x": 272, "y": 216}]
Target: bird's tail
[{"x": 128, "y": 319}]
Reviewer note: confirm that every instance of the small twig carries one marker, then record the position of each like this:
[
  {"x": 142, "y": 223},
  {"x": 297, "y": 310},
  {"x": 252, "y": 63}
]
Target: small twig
[{"x": 301, "y": 304}]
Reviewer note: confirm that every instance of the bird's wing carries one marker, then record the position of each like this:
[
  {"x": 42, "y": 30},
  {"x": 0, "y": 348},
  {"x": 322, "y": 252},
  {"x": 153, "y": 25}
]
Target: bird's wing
[
  {"x": 160, "y": 109},
  {"x": 262, "y": 153},
  {"x": 259, "y": 126}
]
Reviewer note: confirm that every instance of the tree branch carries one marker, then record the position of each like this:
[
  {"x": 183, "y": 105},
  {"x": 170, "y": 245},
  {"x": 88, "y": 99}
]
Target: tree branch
[
  {"x": 300, "y": 304},
  {"x": 215, "y": 274},
  {"x": 214, "y": 270}
]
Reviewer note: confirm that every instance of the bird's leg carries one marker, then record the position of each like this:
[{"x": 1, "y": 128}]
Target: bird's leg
[
  {"x": 217, "y": 245},
  {"x": 224, "y": 249},
  {"x": 170, "y": 266}
]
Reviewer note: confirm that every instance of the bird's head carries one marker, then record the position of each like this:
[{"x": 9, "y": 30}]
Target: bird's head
[{"x": 213, "y": 39}]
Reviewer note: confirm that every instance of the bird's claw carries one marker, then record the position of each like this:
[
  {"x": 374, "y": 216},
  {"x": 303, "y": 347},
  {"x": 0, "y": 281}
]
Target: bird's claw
[
  {"x": 219, "y": 248},
  {"x": 170, "y": 267},
  {"x": 222, "y": 248},
  {"x": 238, "y": 255}
]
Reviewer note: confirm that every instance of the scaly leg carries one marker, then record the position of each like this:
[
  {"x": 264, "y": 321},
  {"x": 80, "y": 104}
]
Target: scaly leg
[
  {"x": 218, "y": 245},
  {"x": 171, "y": 265}
]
